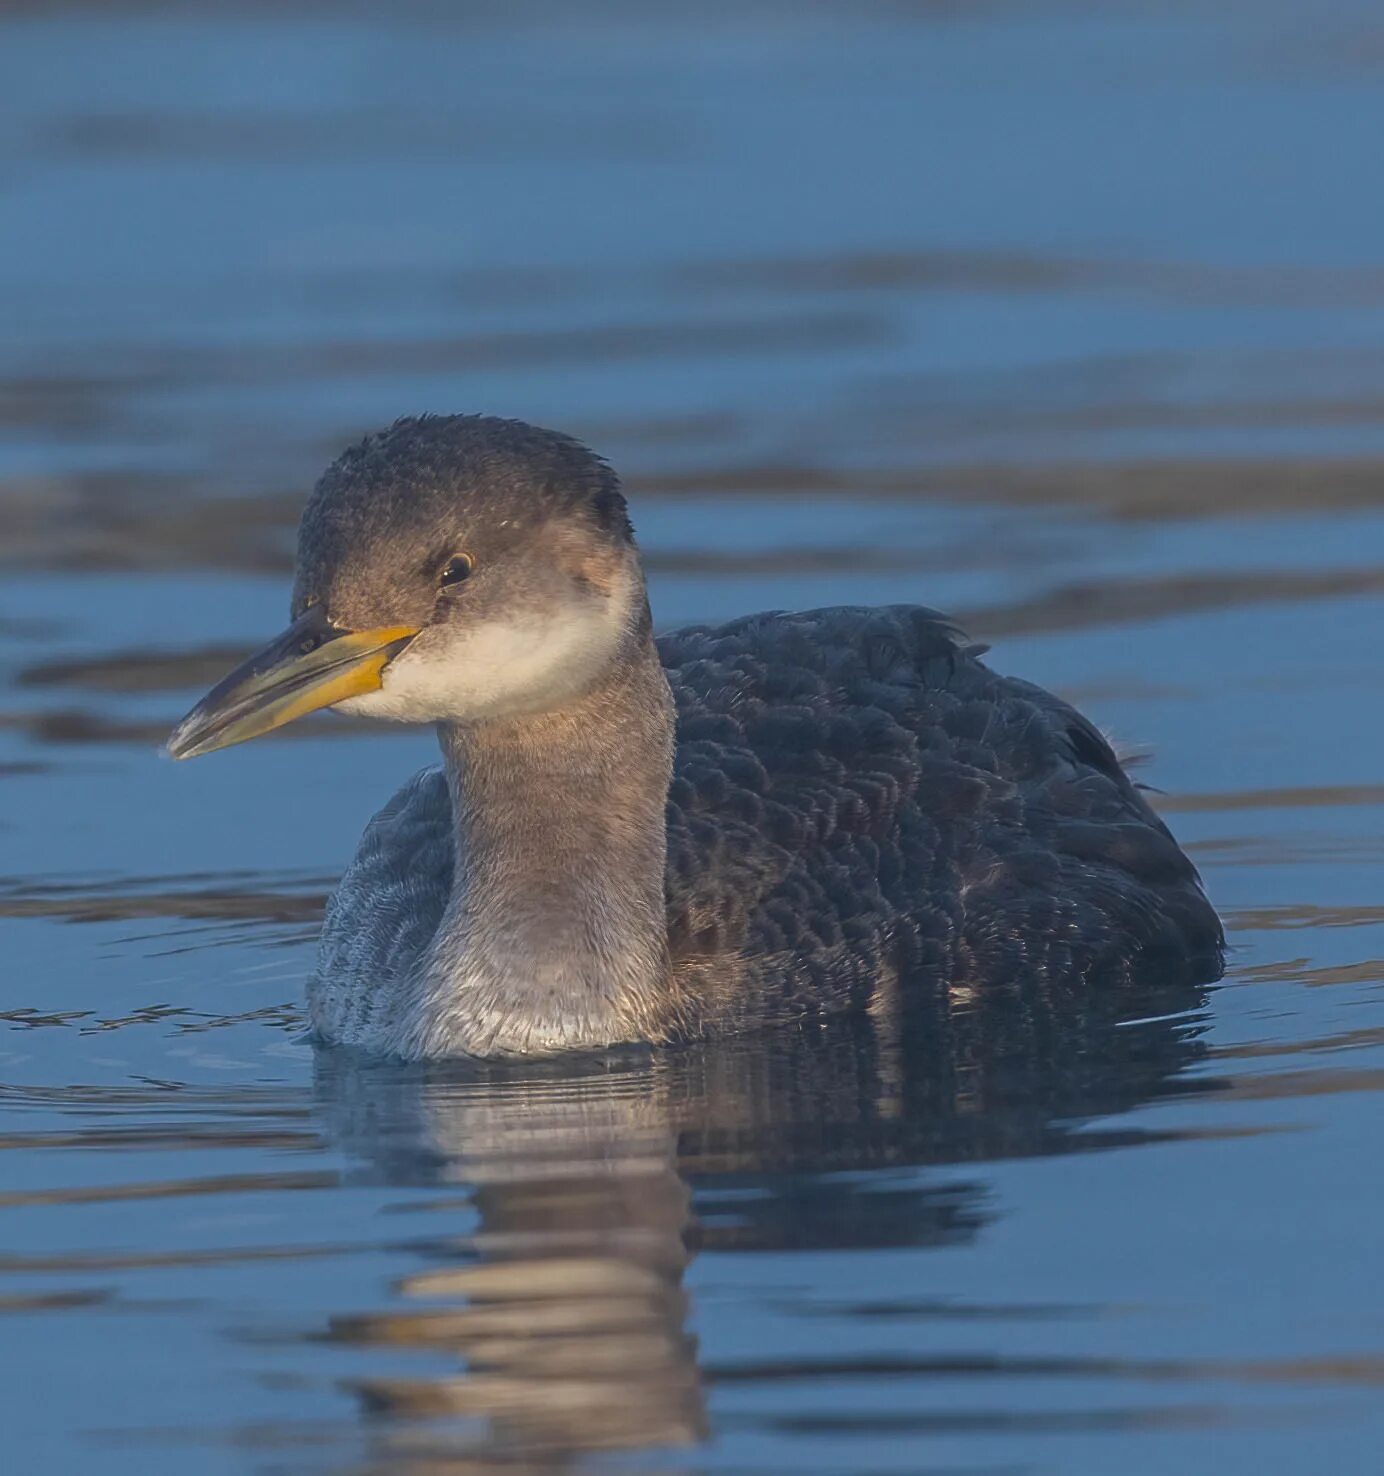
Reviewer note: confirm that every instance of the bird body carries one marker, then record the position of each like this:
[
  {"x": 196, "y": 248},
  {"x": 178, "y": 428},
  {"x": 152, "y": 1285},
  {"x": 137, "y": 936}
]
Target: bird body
[
  {"x": 764, "y": 822},
  {"x": 857, "y": 806}
]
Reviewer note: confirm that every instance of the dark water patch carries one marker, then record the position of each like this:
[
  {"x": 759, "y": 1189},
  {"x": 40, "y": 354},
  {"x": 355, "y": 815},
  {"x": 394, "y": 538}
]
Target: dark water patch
[
  {"x": 73, "y": 725},
  {"x": 1300, "y": 797},
  {"x": 1367, "y": 1370},
  {"x": 80, "y": 1261},
  {"x": 170, "y": 365},
  {"x": 168, "y": 1189},
  {"x": 354, "y": 136},
  {"x": 30, "y": 1018},
  {"x": 132, "y": 522},
  {"x": 63, "y": 1301},
  {"x": 1300, "y": 971},
  {"x": 1287, "y": 1085},
  {"x": 1180, "y": 487},
  {"x": 1144, "y": 489},
  {"x": 939, "y": 1309},
  {"x": 892, "y": 1424},
  {"x": 164, "y": 1099},
  {"x": 1101, "y": 604},
  {"x": 1345, "y": 1040},
  {"x": 135, "y": 671},
  {"x": 1300, "y": 916},
  {"x": 81, "y": 726},
  {"x": 191, "y": 1136},
  {"x": 25, "y": 629},
  {"x": 1349, "y": 46},
  {"x": 183, "y": 1021},
  {"x": 79, "y": 903},
  {"x": 1308, "y": 849},
  {"x": 1088, "y": 415},
  {"x": 830, "y": 559},
  {"x": 981, "y": 270}
]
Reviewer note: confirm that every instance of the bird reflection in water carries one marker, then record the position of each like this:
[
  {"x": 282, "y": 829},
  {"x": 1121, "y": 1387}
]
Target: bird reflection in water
[{"x": 591, "y": 1183}]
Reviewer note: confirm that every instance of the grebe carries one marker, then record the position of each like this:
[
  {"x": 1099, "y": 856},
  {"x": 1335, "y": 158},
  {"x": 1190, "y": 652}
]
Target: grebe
[{"x": 634, "y": 839}]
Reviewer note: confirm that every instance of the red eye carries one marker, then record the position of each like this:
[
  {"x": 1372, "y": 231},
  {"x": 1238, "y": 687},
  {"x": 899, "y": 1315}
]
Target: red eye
[{"x": 457, "y": 571}]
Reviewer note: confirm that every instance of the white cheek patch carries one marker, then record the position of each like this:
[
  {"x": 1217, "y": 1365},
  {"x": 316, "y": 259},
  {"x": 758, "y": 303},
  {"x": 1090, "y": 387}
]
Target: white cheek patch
[{"x": 525, "y": 663}]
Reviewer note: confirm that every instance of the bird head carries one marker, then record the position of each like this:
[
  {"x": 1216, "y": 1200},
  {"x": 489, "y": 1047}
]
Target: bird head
[{"x": 450, "y": 569}]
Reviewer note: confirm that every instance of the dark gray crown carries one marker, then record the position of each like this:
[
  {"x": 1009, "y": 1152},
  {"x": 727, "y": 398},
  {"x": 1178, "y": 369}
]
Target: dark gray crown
[{"x": 406, "y": 495}]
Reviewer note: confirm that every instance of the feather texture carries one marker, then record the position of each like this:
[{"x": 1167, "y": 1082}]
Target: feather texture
[{"x": 862, "y": 816}]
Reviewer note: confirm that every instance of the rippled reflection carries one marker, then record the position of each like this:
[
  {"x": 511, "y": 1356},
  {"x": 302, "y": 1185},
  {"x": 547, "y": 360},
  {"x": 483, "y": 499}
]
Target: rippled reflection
[{"x": 582, "y": 1192}]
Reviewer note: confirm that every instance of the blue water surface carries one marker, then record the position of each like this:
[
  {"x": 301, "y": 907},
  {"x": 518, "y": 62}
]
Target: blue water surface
[{"x": 1067, "y": 318}]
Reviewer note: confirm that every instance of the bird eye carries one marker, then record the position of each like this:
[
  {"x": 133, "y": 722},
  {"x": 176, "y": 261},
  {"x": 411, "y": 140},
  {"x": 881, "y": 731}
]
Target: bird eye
[{"x": 457, "y": 570}]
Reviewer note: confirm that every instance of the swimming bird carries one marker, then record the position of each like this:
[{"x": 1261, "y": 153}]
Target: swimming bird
[{"x": 641, "y": 839}]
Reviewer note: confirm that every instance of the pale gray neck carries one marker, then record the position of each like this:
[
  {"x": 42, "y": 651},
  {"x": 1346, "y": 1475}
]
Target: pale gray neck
[{"x": 556, "y": 934}]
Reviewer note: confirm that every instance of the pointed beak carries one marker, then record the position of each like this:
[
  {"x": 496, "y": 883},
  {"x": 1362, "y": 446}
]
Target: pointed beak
[{"x": 311, "y": 665}]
